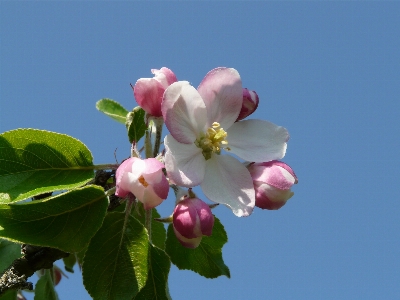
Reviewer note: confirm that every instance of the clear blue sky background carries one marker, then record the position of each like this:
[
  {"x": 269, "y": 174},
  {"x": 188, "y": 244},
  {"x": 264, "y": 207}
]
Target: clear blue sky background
[{"x": 327, "y": 71}]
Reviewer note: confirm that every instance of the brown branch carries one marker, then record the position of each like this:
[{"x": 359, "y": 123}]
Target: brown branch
[{"x": 34, "y": 259}]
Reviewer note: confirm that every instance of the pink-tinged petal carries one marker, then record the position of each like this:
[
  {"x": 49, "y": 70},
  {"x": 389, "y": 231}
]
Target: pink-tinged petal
[
  {"x": 269, "y": 197},
  {"x": 150, "y": 199},
  {"x": 184, "y": 112},
  {"x": 152, "y": 166},
  {"x": 165, "y": 76},
  {"x": 188, "y": 243},
  {"x": 122, "y": 184},
  {"x": 185, "y": 164},
  {"x": 206, "y": 217},
  {"x": 161, "y": 188},
  {"x": 135, "y": 186},
  {"x": 257, "y": 140},
  {"x": 222, "y": 93},
  {"x": 148, "y": 93},
  {"x": 227, "y": 181}
]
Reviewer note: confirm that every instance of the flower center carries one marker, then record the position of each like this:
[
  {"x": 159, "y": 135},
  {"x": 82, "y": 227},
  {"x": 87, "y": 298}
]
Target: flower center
[
  {"x": 212, "y": 141},
  {"x": 143, "y": 181}
]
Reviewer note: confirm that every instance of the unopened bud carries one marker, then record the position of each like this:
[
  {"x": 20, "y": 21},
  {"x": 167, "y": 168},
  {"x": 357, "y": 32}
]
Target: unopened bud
[
  {"x": 192, "y": 219},
  {"x": 250, "y": 104},
  {"x": 272, "y": 182}
]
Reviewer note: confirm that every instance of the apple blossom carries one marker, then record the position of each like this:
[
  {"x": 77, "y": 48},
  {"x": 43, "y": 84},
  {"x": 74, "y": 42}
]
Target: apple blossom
[
  {"x": 192, "y": 219},
  {"x": 201, "y": 123},
  {"x": 272, "y": 182},
  {"x": 144, "y": 179},
  {"x": 148, "y": 92},
  {"x": 250, "y": 104}
]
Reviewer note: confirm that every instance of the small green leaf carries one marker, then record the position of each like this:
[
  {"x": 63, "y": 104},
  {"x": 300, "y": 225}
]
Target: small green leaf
[
  {"x": 206, "y": 259},
  {"x": 44, "y": 288},
  {"x": 158, "y": 232},
  {"x": 115, "y": 263},
  {"x": 9, "y": 295},
  {"x": 9, "y": 252},
  {"x": 135, "y": 124},
  {"x": 69, "y": 262},
  {"x": 157, "y": 282},
  {"x": 34, "y": 162},
  {"x": 112, "y": 109},
  {"x": 66, "y": 221}
]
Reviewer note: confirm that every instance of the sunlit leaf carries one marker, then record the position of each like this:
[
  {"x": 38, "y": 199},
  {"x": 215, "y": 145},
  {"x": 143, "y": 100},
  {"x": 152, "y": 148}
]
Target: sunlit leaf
[
  {"x": 112, "y": 109},
  {"x": 157, "y": 282},
  {"x": 33, "y": 162},
  {"x": 206, "y": 259},
  {"x": 66, "y": 221},
  {"x": 158, "y": 232},
  {"x": 135, "y": 124},
  {"x": 115, "y": 263}
]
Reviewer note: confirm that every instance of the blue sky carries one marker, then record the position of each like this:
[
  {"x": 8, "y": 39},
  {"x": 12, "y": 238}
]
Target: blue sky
[{"x": 327, "y": 71}]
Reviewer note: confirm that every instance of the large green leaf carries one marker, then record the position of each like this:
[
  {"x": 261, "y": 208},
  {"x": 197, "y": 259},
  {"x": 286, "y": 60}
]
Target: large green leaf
[
  {"x": 67, "y": 221},
  {"x": 157, "y": 282},
  {"x": 115, "y": 263},
  {"x": 9, "y": 295},
  {"x": 34, "y": 162},
  {"x": 206, "y": 259},
  {"x": 112, "y": 109},
  {"x": 135, "y": 124},
  {"x": 9, "y": 252},
  {"x": 44, "y": 288},
  {"x": 158, "y": 232}
]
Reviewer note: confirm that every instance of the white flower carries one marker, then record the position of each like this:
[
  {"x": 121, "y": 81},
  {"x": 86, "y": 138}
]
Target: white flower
[{"x": 201, "y": 124}]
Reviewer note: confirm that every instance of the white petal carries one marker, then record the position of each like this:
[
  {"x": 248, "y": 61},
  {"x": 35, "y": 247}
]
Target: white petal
[
  {"x": 257, "y": 140},
  {"x": 184, "y": 112},
  {"x": 228, "y": 182},
  {"x": 221, "y": 90},
  {"x": 185, "y": 164}
]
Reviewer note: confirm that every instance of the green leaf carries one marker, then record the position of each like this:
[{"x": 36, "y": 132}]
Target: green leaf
[
  {"x": 9, "y": 295},
  {"x": 115, "y": 263},
  {"x": 9, "y": 252},
  {"x": 206, "y": 259},
  {"x": 112, "y": 109},
  {"x": 69, "y": 262},
  {"x": 158, "y": 232},
  {"x": 44, "y": 288},
  {"x": 66, "y": 221},
  {"x": 135, "y": 124},
  {"x": 157, "y": 282},
  {"x": 34, "y": 162}
]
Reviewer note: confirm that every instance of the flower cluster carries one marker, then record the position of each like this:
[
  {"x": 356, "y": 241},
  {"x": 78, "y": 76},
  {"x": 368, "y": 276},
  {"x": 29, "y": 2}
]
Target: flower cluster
[{"x": 210, "y": 144}]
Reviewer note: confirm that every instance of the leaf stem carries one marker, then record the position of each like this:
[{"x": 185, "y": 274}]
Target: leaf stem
[
  {"x": 158, "y": 124},
  {"x": 147, "y": 144},
  {"x": 110, "y": 191},
  {"x": 147, "y": 222}
]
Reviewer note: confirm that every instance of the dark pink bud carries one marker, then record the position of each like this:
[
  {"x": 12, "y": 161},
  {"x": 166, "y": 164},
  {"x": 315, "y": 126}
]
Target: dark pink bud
[
  {"x": 192, "y": 219},
  {"x": 272, "y": 182},
  {"x": 250, "y": 104},
  {"x": 148, "y": 92}
]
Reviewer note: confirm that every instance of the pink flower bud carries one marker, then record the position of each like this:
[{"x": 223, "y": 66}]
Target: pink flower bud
[
  {"x": 272, "y": 182},
  {"x": 144, "y": 179},
  {"x": 192, "y": 219},
  {"x": 250, "y": 104},
  {"x": 148, "y": 92}
]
